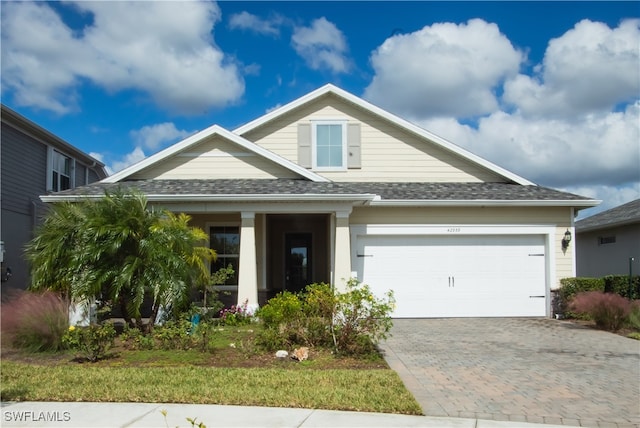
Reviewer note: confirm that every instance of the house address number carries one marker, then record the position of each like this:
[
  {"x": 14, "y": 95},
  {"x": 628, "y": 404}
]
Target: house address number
[{"x": 453, "y": 230}]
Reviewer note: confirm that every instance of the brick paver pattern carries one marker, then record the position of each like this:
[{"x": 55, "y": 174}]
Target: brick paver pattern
[{"x": 518, "y": 369}]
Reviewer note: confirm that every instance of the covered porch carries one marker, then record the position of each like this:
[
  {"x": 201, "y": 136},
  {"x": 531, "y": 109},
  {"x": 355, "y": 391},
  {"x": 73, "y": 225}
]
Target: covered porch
[{"x": 273, "y": 249}]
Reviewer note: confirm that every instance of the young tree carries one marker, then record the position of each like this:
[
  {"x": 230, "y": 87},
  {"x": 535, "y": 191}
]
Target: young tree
[{"x": 117, "y": 248}]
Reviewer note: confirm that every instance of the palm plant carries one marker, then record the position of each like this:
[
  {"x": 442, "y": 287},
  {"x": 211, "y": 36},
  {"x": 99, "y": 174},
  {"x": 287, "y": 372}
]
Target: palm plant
[{"x": 119, "y": 249}]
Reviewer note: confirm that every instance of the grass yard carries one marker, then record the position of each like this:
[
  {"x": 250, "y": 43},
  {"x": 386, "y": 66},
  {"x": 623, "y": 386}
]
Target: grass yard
[{"x": 235, "y": 373}]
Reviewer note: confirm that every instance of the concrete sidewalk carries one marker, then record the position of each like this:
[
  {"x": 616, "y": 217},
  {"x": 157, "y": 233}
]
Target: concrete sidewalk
[{"x": 94, "y": 415}]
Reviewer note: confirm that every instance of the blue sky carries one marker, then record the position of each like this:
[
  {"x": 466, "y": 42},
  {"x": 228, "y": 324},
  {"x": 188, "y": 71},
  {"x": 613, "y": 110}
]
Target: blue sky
[{"x": 548, "y": 90}]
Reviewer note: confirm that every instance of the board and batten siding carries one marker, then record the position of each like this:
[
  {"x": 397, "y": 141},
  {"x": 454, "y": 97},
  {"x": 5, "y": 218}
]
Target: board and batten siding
[
  {"x": 387, "y": 152},
  {"x": 535, "y": 216},
  {"x": 215, "y": 158}
]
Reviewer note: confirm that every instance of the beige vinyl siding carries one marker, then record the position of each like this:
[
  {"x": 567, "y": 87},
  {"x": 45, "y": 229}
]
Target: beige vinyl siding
[
  {"x": 215, "y": 158},
  {"x": 388, "y": 153},
  {"x": 535, "y": 216}
]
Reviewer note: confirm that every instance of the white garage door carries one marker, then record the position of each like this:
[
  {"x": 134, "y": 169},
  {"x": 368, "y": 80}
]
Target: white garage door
[{"x": 460, "y": 276}]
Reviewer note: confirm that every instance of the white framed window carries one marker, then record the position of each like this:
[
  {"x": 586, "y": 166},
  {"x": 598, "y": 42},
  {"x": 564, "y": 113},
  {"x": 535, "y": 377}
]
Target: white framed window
[
  {"x": 60, "y": 175},
  {"x": 225, "y": 240},
  {"x": 329, "y": 145}
]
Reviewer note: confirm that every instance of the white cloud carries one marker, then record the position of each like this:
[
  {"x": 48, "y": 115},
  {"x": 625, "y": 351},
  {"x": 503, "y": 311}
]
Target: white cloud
[
  {"x": 129, "y": 159},
  {"x": 443, "y": 69},
  {"x": 611, "y": 196},
  {"x": 596, "y": 149},
  {"x": 575, "y": 125},
  {"x": 322, "y": 46},
  {"x": 163, "y": 49},
  {"x": 155, "y": 136},
  {"x": 589, "y": 68},
  {"x": 249, "y": 22}
]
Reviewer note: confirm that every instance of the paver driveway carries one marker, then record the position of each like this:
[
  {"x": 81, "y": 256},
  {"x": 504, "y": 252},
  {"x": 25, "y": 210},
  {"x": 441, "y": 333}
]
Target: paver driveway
[{"x": 518, "y": 369}]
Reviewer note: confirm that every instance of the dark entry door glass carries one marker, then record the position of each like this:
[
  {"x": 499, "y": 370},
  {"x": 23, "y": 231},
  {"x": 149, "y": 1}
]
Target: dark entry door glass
[{"x": 297, "y": 261}]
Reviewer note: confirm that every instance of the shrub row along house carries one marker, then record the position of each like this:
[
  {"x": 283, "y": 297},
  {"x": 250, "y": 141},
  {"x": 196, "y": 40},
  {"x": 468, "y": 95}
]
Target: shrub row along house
[{"x": 330, "y": 187}]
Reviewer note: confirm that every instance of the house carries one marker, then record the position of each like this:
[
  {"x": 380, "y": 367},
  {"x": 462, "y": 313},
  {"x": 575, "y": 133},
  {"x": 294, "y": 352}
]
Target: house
[
  {"x": 330, "y": 187},
  {"x": 34, "y": 162},
  {"x": 608, "y": 243}
]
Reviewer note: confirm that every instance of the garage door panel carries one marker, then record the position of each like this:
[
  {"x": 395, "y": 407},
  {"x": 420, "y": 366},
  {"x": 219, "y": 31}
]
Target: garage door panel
[{"x": 442, "y": 276}]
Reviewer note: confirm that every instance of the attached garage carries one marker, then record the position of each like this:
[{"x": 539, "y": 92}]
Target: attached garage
[{"x": 456, "y": 274}]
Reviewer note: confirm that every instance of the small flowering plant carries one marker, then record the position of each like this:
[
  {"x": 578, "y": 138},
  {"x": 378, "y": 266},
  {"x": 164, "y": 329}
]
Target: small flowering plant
[{"x": 236, "y": 315}]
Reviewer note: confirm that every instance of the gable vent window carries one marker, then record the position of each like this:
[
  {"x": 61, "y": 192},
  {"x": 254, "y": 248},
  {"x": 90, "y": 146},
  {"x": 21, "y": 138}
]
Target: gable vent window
[
  {"x": 61, "y": 172},
  {"x": 603, "y": 240}
]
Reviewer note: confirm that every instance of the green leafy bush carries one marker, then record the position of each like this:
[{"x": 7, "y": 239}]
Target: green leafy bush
[
  {"x": 619, "y": 284},
  {"x": 281, "y": 318},
  {"x": 362, "y": 319},
  {"x": 350, "y": 323},
  {"x": 608, "y": 310},
  {"x": 134, "y": 339},
  {"x": 175, "y": 335},
  {"x": 91, "y": 342},
  {"x": 319, "y": 303},
  {"x": 35, "y": 321}
]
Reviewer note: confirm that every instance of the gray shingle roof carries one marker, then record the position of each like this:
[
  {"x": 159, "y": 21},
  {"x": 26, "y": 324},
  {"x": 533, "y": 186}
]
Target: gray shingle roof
[
  {"x": 623, "y": 214},
  {"x": 386, "y": 191}
]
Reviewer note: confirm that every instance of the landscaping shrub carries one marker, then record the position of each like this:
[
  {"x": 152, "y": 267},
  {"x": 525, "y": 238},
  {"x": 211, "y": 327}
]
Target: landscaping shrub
[
  {"x": 619, "y": 284},
  {"x": 35, "y": 321},
  {"x": 350, "y": 323},
  {"x": 91, "y": 342},
  {"x": 570, "y": 287},
  {"x": 134, "y": 339},
  {"x": 633, "y": 320},
  {"x": 175, "y": 335},
  {"x": 608, "y": 310},
  {"x": 319, "y": 304},
  {"x": 236, "y": 315},
  {"x": 281, "y": 318},
  {"x": 362, "y": 319}
]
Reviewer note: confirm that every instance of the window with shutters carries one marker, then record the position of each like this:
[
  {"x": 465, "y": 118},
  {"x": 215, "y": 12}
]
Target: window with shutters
[{"x": 329, "y": 145}]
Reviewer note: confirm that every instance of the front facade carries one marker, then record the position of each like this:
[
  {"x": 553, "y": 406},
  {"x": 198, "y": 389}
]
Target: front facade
[
  {"x": 330, "y": 187},
  {"x": 608, "y": 243},
  {"x": 34, "y": 162}
]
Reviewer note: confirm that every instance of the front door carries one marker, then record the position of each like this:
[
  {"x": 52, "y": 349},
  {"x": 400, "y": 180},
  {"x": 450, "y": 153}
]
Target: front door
[{"x": 297, "y": 261}]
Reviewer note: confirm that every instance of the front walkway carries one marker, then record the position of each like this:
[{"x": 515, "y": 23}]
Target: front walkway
[{"x": 528, "y": 370}]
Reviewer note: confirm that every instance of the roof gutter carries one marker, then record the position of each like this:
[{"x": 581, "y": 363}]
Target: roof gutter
[
  {"x": 583, "y": 203},
  {"x": 287, "y": 197}
]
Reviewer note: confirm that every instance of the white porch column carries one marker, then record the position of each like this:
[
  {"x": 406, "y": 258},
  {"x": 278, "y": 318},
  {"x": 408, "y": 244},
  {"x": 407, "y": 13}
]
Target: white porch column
[
  {"x": 248, "y": 275},
  {"x": 342, "y": 251}
]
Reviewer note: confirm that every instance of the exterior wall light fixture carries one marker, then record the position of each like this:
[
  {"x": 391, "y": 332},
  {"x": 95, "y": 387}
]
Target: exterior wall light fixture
[{"x": 566, "y": 239}]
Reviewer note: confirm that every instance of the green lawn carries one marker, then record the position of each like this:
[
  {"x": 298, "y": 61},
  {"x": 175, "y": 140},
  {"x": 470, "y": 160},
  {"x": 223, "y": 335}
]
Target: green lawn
[{"x": 370, "y": 390}]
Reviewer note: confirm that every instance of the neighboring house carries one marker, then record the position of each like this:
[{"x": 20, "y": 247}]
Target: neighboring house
[
  {"x": 330, "y": 187},
  {"x": 605, "y": 242},
  {"x": 34, "y": 162}
]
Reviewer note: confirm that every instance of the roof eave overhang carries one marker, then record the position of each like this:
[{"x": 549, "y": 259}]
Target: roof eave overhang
[
  {"x": 288, "y": 197},
  {"x": 612, "y": 225},
  {"x": 484, "y": 202}
]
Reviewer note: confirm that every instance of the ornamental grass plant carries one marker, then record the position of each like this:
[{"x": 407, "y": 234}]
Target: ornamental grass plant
[{"x": 35, "y": 322}]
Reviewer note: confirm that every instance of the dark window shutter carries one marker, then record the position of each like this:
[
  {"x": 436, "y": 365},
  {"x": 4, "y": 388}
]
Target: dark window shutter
[
  {"x": 304, "y": 145},
  {"x": 353, "y": 148}
]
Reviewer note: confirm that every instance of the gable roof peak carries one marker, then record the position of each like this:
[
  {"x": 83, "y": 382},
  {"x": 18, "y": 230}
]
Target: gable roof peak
[
  {"x": 330, "y": 88},
  {"x": 197, "y": 138}
]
